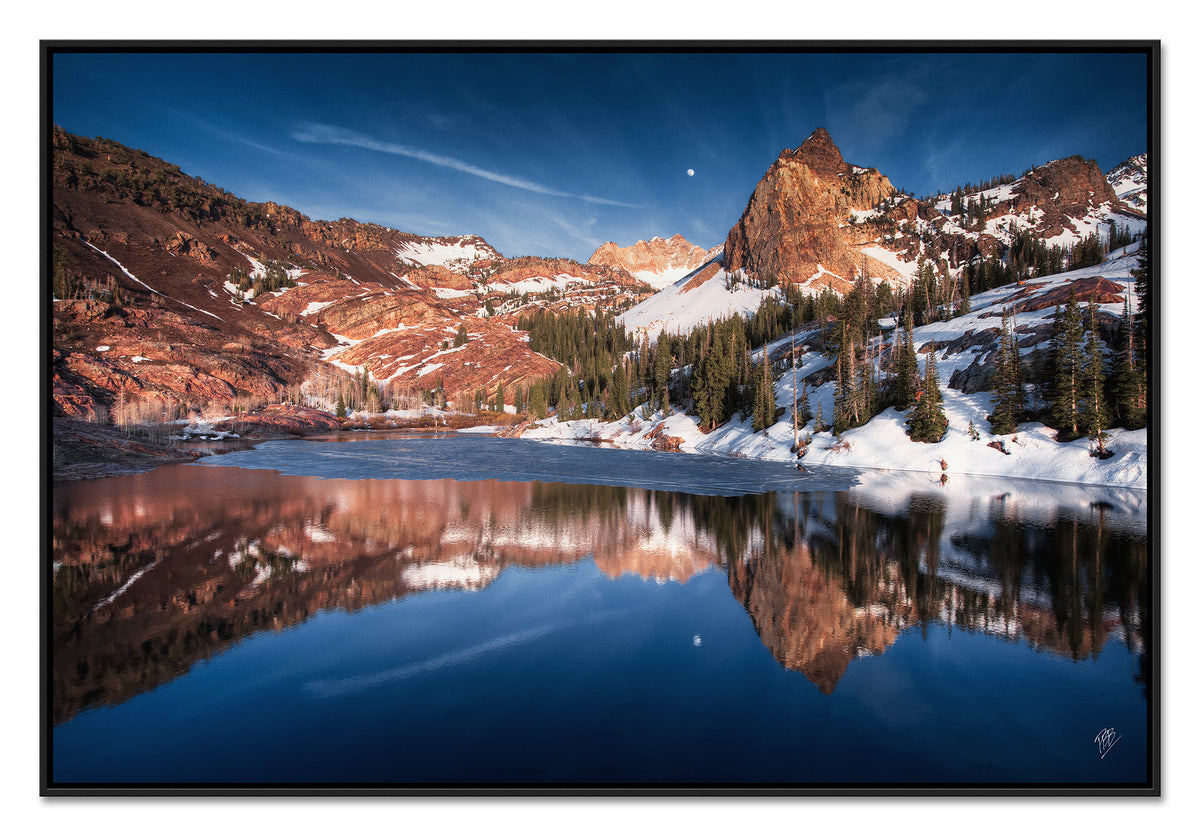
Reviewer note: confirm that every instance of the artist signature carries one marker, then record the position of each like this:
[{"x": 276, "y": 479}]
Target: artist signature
[{"x": 1106, "y": 739}]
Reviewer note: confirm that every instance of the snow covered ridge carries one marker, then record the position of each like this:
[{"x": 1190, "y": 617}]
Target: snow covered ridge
[
  {"x": 1130, "y": 180},
  {"x": 702, "y": 296},
  {"x": 456, "y": 254},
  {"x": 1031, "y": 452}
]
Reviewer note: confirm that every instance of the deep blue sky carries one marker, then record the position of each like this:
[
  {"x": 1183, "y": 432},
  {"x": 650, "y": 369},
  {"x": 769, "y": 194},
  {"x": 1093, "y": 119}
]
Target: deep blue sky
[{"x": 554, "y": 154}]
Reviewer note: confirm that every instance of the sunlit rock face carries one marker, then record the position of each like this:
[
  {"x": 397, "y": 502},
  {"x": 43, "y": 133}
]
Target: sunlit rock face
[{"x": 793, "y": 224}]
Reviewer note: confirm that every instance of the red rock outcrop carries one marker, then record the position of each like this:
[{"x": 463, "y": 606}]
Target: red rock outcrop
[
  {"x": 794, "y": 225},
  {"x": 1096, "y": 289},
  {"x": 1062, "y": 190},
  {"x": 515, "y": 270}
]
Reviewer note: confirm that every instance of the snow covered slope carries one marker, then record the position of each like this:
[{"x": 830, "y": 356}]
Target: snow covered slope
[
  {"x": 455, "y": 253},
  {"x": 1130, "y": 180},
  {"x": 701, "y": 296}
]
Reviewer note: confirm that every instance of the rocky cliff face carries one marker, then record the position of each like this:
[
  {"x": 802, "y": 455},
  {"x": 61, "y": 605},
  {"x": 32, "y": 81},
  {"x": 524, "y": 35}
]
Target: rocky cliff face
[
  {"x": 658, "y": 262},
  {"x": 792, "y": 226},
  {"x": 1053, "y": 195}
]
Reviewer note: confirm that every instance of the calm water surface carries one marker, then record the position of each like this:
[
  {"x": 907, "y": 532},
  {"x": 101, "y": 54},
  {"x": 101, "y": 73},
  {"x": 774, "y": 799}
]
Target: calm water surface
[{"x": 476, "y": 610}]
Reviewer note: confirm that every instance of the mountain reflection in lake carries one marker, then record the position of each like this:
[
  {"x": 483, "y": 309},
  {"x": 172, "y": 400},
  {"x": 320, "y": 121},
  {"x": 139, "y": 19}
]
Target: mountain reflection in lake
[{"x": 158, "y": 577}]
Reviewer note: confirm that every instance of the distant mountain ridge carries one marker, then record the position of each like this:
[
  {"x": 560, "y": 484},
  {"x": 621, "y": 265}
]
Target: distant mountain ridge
[{"x": 658, "y": 262}]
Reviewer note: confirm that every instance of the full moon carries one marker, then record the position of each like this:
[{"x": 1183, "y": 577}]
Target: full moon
[{"x": 690, "y": 172}]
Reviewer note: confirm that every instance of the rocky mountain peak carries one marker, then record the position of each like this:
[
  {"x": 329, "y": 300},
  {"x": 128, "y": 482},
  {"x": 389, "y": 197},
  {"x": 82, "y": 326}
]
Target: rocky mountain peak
[
  {"x": 792, "y": 225},
  {"x": 820, "y": 152}
]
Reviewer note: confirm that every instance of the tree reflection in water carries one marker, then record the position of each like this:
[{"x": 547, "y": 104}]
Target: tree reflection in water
[{"x": 155, "y": 572}]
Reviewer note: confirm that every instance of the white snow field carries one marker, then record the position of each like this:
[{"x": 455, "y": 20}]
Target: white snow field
[{"x": 678, "y": 309}]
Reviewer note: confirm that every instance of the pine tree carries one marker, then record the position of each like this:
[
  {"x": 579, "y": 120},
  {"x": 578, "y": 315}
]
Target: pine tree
[
  {"x": 764, "y": 395},
  {"x": 568, "y": 405},
  {"x": 842, "y": 395},
  {"x": 1094, "y": 412},
  {"x": 795, "y": 400},
  {"x": 1067, "y": 370},
  {"x": 702, "y": 383},
  {"x": 1142, "y": 320},
  {"x": 866, "y": 392},
  {"x": 1008, "y": 402},
  {"x": 60, "y": 282},
  {"x": 904, "y": 383},
  {"x": 928, "y": 421},
  {"x": 662, "y": 373},
  {"x": 537, "y": 399},
  {"x": 964, "y": 304},
  {"x": 340, "y": 409},
  {"x": 1128, "y": 383},
  {"x": 619, "y": 402}
]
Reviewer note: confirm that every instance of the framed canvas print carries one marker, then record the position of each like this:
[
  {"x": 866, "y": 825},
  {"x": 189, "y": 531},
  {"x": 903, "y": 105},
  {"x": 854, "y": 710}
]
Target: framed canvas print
[{"x": 565, "y": 419}]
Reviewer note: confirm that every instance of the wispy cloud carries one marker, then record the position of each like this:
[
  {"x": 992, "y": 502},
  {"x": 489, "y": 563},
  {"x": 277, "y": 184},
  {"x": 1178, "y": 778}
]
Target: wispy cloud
[
  {"x": 223, "y": 133},
  {"x": 333, "y": 135}
]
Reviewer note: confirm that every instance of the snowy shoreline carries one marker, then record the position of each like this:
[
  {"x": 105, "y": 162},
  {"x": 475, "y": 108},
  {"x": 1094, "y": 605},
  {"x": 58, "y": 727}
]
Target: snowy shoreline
[{"x": 881, "y": 445}]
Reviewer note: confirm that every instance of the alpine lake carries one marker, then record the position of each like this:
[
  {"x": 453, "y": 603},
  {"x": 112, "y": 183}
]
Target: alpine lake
[{"x": 464, "y": 611}]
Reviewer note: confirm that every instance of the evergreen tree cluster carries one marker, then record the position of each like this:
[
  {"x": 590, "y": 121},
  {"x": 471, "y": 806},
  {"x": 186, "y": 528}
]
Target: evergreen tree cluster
[
  {"x": 905, "y": 372},
  {"x": 1028, "y": 255},
  {"x": 576, "y": 337},
  {"x": 66, "y": 283},
  {"x": 1082, "y": 386},
  {"x": 1086, "y": 253},
  {"x": 935, "y": 296},
  {"x": 962, "y": 191},
  {"x": 1118, "y": 236},
  {"x": 760, "y": 280},
  {"x": 720, "y": 372},
  {"x": 274, "y": 278},
  {"x": 763, "y": 403},
  {"x": 594, "y": 380},
  {"x": 1085, "y": 385}
]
